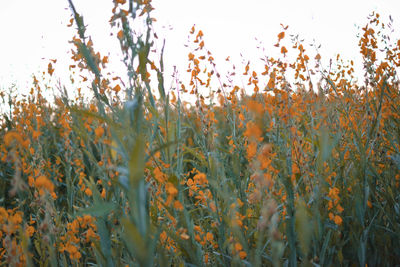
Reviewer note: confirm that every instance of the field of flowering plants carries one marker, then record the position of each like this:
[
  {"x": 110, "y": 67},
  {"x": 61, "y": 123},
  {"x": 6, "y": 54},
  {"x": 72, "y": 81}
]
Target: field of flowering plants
[{"x": 305, "y": 170}]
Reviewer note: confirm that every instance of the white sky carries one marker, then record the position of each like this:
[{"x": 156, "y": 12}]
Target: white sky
[{"x": 35, "y": 31}]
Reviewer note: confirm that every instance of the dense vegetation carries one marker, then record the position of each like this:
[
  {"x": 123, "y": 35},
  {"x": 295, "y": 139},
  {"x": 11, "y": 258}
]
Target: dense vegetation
[{"x": 298, "y": 172}]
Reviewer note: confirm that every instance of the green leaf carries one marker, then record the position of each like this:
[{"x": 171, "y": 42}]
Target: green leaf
[
  {"x": 105, "y": 241},
  {"x": 195, "y": 154},
  {"x": 396, "y": 160},
  {"x": 99, "y": 210},
  {"x": 303, "y": 226},
  {"x": 137, "y": 161},
  {"x": 137, "y": 244}
]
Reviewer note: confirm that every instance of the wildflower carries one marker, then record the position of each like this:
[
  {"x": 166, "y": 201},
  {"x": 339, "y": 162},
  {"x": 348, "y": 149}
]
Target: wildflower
[
  {"x": 99, "y": 131},
  {"x": 117, "y": 88},
  {"x": 191, "y": 56},
  {"x": 74, "y": 254},
  {"x": 171, "y": 190},
  {"x": 9, "y": 137},
  {"x": 339, "y": 208},
  {"x": 178, "y": 205},
  {"x": 29, "y": 231},
  {"x": 88, "y": 192},
  {"x": 251, "y": 150},
  {"x": 200, "y": 178},
  {"x": 16, "y": 219},
  {"x": 120, "y": 34},
  {"x": 255, "y": 107},
  {"x": 242, "y": 254},
  {"x": 212, "y": 206},
  {"x": 338, "y": 220},
  {"x": 284, "y": 50},
  {"x": 90, "y": 234},
  {"x": 163, "y": 236},
  {"x": 50, "y": 69},
  {"x": 238, "y": 246},
  {"x": 42, "y": 182},
  {"x": 159, "y": 175},
  {"x": 253, "y": 131},
  {"x": 209, "y": 237},
  {"x": 36, "y": 134}
]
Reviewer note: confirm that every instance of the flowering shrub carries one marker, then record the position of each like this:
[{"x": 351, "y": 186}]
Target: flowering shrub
[{"x": 296, "y": 172}]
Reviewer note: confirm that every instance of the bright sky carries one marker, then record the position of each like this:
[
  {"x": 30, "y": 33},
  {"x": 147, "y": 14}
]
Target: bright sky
[{"x": 35, "y": 31}]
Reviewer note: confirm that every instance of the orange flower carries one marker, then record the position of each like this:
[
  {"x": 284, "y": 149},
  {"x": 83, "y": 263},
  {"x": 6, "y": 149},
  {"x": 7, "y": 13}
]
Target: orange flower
[
  {"x": 88, "y": 192},
  {"x": 74, "y": 254},
  {"x": 31, "y": 181},
  {"x": 9, "y": 137},
  {"x": 339, "y": 208},
  {"x": 284, "y": 50},
  {"x": 16, "y": 219},
  {"x": 212, "y": 206},
  {"x": 178, "y": 205},
  {"x": 99, "y": 131},
  {"x": 253, "y": 131},
  {"x": 238, "y": 246},
  {"x": 30, "y": 230},
  {"x": 171, "y": 190},
  {"x": 209, "y": 237},
  {"x": 90, "y": 234},
  {"x": 50, "y": 69},
  {"x": 338, "y": 220},
  {"x": 117, "y": 88},
  {"x": 200, "y": 178},
  {"x": 159, "y": 175},
  {"x": 281, "y": 35},
  {"x": 120, "y": 34},
  {"x": 242, "y": 254},
  {"x": 36, "y": 134},
  {"x": 256, "y": 107},
  {"x": 191, "y": 56},
  {"x": 251, "y": 150},
  {"x": 42, "y": 182}
]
